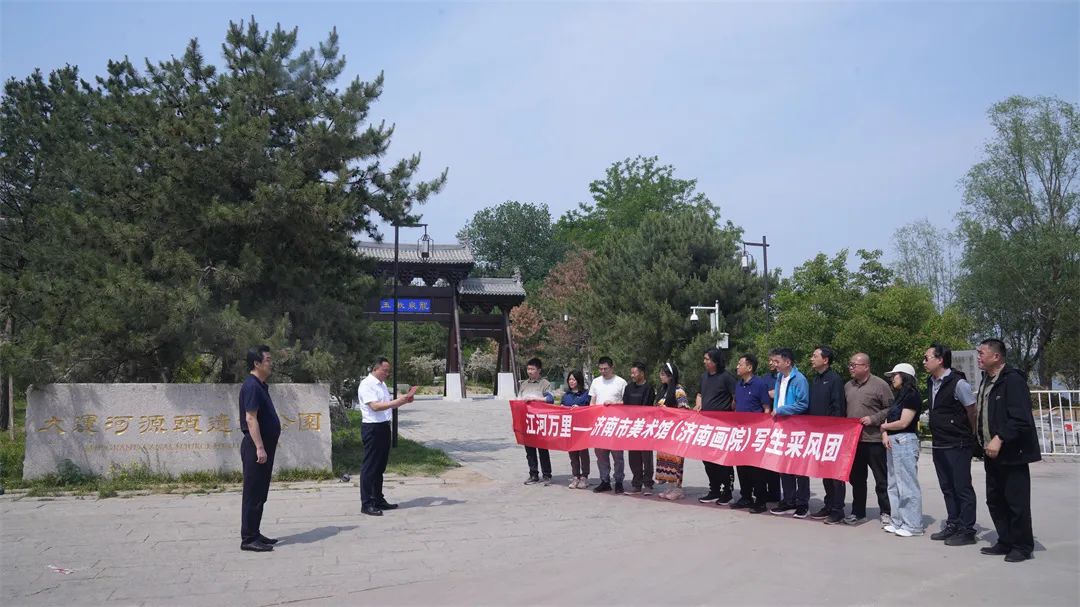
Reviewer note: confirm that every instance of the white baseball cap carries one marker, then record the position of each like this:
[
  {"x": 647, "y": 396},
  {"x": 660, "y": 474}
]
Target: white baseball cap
[{"x": 901, "y": 368}]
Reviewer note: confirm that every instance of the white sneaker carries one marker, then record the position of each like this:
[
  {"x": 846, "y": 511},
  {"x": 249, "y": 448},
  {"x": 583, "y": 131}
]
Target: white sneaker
[
  {"x": 583, "y": 483},
  {"x": 886, "y": 520},
  {"x": 906, "y": 533},
  {"x": 890, "y": 529},
  {"x": 573, "y": 484},
  {"x": 676, "y": 494}
]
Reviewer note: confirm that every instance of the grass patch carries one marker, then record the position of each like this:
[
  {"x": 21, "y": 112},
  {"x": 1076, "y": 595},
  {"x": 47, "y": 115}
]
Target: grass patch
[{"x": 408, "y": 459}]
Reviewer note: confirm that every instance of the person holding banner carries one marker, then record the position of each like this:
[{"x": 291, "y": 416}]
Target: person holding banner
[
  {"x": 640, "y": 392},
  {"x": 900, "y": 436},
  {"x": 576, "y": 396},
  {"x": 716, "y": 392},
  {"x": 752, "y": 396},
  {"x": 792, "y": 398},
  {"x": 606, "y": 390},
  {"x": 827, "y": 398},
  {"x": 669, "y": 468},
  {"x": 535, "y": 387}
]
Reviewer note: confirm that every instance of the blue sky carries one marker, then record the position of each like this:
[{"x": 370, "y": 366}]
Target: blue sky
[{"x": 824, "y": 125}]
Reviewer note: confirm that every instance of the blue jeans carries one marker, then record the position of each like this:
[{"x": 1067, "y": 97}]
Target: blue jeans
[{"x": 905, "y": 496}]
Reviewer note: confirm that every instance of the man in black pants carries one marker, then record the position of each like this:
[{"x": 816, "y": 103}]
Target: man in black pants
[
  {"x": 1006, "y": 431},
  {"x": 952, "y": 419},
  {"x": 827, "y": 399},
  {"x": 261, "y": 427},
  {"x": 717, "y": 393},
  {"x": 376, "y": 410},
  {"x": 640, "y": 392}
]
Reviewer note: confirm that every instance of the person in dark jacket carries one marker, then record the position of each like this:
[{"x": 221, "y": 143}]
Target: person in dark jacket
[
  {"x": 827, "y": 399},
  {"x": 641, "y": 393},
  {"x": 716, "y": 392},
  {"x": 952, "y": 419},
  {"x": 1006, "y": 432}
]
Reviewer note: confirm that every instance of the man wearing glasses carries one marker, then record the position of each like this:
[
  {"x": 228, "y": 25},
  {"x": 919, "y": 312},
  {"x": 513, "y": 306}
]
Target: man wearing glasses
[{"x": 868, "y": 400}]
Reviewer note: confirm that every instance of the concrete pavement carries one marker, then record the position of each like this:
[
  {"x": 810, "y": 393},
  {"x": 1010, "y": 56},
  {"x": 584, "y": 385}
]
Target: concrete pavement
[{"x": 477, "y": 536}]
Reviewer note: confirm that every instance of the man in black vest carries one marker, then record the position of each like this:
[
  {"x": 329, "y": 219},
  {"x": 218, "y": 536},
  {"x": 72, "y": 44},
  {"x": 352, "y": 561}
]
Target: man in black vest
[
  {"x": 827, "y": 398},
  {"x": 952, "y": 420},
  {"x": 1006, "y": 431}
]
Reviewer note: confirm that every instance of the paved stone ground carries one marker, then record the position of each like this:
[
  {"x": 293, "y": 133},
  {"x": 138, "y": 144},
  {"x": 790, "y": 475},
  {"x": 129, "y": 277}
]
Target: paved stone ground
[{"x": 478, "y": 537}]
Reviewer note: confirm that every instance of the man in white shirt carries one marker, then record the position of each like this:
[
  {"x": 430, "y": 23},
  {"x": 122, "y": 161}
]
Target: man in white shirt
[
  {"x": 376, "y": 409},
  {"x": 605, "y": 390}
]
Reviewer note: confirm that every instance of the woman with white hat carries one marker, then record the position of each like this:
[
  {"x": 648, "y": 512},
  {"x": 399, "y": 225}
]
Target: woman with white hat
[{"x": 900, "y": 435}]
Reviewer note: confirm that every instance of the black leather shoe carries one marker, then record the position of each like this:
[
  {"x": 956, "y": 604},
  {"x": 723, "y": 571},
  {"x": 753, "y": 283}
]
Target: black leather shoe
[
  {"x": 385, "y": 505},
  {"x": 269, "y": 541},
  {"x": 371, "y": 511},
  {"x": 1015, "y": 556},
  {"x": 961, "y": 539},
  {"x": 995, "y": 550},
  {"x": 256, "y": 546},
  {"x": 944, "y": 534}
]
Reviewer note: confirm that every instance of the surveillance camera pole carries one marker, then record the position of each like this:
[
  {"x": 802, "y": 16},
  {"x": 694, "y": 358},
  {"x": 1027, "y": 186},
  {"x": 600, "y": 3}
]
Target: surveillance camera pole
[{"x": 714, "y": 322}]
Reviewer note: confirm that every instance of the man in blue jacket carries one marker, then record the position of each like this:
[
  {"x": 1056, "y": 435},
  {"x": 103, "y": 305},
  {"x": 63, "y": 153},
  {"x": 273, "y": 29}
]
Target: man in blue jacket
[
  {"x": 1006, "y": 431},
  {"x": 791, "y": 397}
]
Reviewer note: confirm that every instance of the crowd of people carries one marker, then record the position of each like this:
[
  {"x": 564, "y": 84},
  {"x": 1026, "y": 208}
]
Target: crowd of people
[{"x": 994, "y": 423}]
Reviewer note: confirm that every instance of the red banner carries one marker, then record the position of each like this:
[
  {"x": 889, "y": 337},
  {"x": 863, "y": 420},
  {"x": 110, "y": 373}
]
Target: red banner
[{"x": 821, "y": 447}]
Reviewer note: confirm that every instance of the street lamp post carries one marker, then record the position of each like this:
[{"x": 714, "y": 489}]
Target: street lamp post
[
  {"x": 714, "y": 322},
  {"x": 745, "y": 263},
  {"x": 424, "y": 247}
]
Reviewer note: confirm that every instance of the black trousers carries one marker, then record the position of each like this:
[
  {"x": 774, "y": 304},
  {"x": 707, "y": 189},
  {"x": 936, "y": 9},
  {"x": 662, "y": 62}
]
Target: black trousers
[
  {"x": 544, "y": 464},
  {"x": 953, "y": 466},
  {"x": 376, "y": 438},
  {"x": 1008, "y": 497},
  {"x": 641, "y": 467},
  {"x": 579, "y": 463},
  {"x": 256, "y": 486},
  {"x": 834, "y": 495},
  {"x": 721, "y": 478},
  {"x": 772, "y": 485},
  {"x": 752, "y": 481},
  {"x": 796, "y": 489},
  {"x": 872, "y": 456}
]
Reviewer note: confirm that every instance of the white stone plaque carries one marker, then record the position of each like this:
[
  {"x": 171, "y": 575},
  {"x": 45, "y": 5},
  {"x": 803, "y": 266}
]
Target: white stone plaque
[{"x": 171, "y": 428}]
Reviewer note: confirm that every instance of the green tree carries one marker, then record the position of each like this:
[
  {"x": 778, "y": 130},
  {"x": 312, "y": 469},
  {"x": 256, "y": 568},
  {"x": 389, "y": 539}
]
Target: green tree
[
  {"x": 512, "y": 237},
  {"x": 157, "y": 224},
  {"x": 643, "y": 284},
  {"x": 630, "y": 190},
  {"x": 1021, "y": 229},
  {"x": 825, "y": 303}
]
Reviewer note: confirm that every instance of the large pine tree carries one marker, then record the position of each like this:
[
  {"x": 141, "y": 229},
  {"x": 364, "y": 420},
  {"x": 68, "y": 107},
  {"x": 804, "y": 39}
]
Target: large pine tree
[{"x": 157, "y": 223}]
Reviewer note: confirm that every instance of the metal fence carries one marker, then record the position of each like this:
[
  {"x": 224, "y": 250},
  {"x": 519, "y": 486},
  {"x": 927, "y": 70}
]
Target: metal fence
[{"x": 1057, "y": 420}]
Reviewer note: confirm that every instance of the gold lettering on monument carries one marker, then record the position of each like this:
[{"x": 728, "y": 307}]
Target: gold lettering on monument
[
  {"x": 85, "y": 423},
  {"x": 151, "y": 423},
  {"x": 53, "y": 423},
  {"x": 184, "y": 423},
  {"x": 311, "y": 421},
  {"x": 118, "y": 423},
  {"x": 219, "y": 423}
]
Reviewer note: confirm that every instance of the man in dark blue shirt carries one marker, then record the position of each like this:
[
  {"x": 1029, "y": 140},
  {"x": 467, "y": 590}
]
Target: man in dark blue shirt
[
  {"x": 261, "y": 427},
  {"x": 752, "y": 396}
]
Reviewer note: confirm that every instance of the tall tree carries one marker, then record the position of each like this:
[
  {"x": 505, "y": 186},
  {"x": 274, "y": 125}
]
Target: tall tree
[
  {"x": 567, "y": 336},
  {"x": 643, "y": 284},
  {"x": 928, "y": 255},
  {"x": 1021, "y": 228},
  {"x": 512, "y": 237},
  {"x": 165, "y": 221},
  {"x": 630, "y": 190}
]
